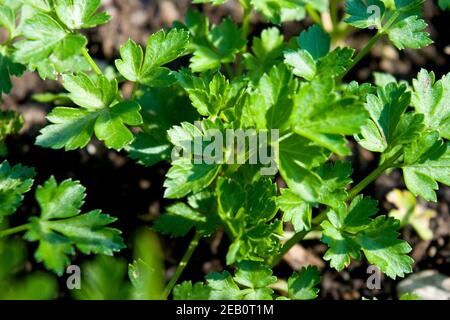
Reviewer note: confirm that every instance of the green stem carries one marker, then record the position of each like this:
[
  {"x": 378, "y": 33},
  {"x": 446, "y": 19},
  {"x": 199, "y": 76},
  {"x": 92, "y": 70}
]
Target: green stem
[
  {"x": 374, "y": 175},
  {"x": 381, "y": 32},
  {"x": 246, "y": 21},
  {"x": 334, "y": 14},
  {"x": 91, "y": 61},
  {"x": 296, "y": 238},
  {"x": 314, "y": 15},
  {"x": 363, "y": 52},
  {"x": 8, "y": 232},
  {"x": 184, "y": 261}
]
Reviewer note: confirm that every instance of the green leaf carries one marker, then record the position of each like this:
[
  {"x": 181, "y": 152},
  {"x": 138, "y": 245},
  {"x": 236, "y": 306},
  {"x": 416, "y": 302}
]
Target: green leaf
[
  {"x": 277, "y": 11},
  {"x": 350, "y": 230},
  {"x": 185, "y": 177},
  {"x": 180, "y": 219},
  {"x": 44, "y": 36},
  {"x": 78, "y": 14},
  {"x": 111, "y": 125},
  {"x": 187, "y": 291},
  {"x": 42, "y": 5},
  {"x": 272, "y": 102},
  {"x": 160, "y": 111},
  {"x": 8, "y": 20},
  {"x": 14, "y": 182},
  {"x": 147, "y": 271},
  {"x": 382, "y": 248},
  {"x": 427, "y": 161},
  {"x": 212, "y": 49},
  {"x": 161, "y": 49},
  {"x": 302, "y": 286},
  {"x": 8, "y": 68},
  {"x": 409, "y": 33},
  {"x": 302, "y": 62},
  {"x": 210, "y": 96},
  {"x": 364, "y": 13},
  {"x": 297, "y": 155},
  {"x": 383, "y": 79},
  {"x": 10, "y": 124},
  {"x": 390, "y": 126},
  {"x": 444, "y": 4},
  {"x": 335, "y": 63},
  {"x": 256, "y": 277},
  {"x": 72, "y": 128},
  {"x": 223, "y": 286},
  {"x": 253, "y": 275},
  {"x": 295, "y": 209},
  {"x": 14, "y": 285},
  {"x": 103, "y": 279},
  {"x": 324, "y": 118},
  {"x": 432, "y": 99},
  {"x": 61, "y": 227},
  {"x": 334, "y": 180},
  {"x": 266, "y": 52},
  {"x": 316, "y": 41}
]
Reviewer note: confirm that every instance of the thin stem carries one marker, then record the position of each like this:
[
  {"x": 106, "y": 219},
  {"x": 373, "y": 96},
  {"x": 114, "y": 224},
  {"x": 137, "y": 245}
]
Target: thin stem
[
  {"x": 288, "y": 245},
  {"x": 334, "y": 14},
  {"x": 314, "y": 15},
  {"x": 91, "y": 61},
  {"x": 321, "y": 217},
  {"x": 246, "y": 21},
  {"x": 184, "y": 261},
  {"x": 374, "y": 175},
  {"x": 363, "y": 52},
  {"x": 381, "y": 32},
  {"x": 8, "y": 232}
]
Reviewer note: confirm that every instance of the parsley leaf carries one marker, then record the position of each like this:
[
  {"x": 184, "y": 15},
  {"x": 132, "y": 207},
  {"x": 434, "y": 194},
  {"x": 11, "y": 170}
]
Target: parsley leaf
[
  {"x": 78, "y": 14},
  {"x": 295, "y": 209},
  {"x": 161, "y": 49},
  {"x": 14, "y": 182},
  {"x": 211, "y": 49},
  {"x": 302, "y": 285},
  {"x": 188, "y": 291},
  {"x": 61, "y": 227},
  {"x": 362, "y": 14},
  {"x": 266, "y": 52},
  {"x": 316, "y": 41},
  {"x": 432, "y": 99},
  {"x": 427, "y": 161},
  {"x": 44, "y": 36},
  {"x": 350, "y": 230},
  {"x": 72, "y": 128},
  {"x": 408, "y": 33},
  {"x": 320, "y": 115},
  {"x": 160, "y": 111},
  {"x": 271, "y": 102},
  {"x": 10, "y": 123},
  {"x": 13, "y": 284},
  {"x": 390, "y": 125},
  {"x": 181, "y": 218}
]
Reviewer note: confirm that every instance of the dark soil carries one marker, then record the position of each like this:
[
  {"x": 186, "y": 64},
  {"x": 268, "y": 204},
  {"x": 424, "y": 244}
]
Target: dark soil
[{"x": 134, "y": 193}]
